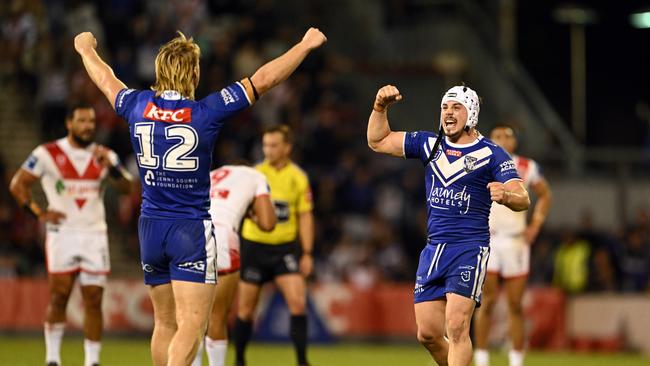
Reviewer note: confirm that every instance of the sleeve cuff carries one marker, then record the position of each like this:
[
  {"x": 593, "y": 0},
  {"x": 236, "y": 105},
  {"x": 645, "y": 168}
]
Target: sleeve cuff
[
  {"x": 511, "y": 179},
  {"x": 247, "y": 88}
]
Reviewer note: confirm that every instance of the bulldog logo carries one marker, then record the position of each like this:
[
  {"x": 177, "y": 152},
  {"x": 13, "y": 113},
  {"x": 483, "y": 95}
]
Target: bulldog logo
[{"x": 469, "y": 163}]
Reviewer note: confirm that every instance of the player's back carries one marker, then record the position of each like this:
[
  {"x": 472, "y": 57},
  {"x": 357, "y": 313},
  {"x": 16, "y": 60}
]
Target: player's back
[
  {"x": 233, "y": 189},
  {"x": 173, "y": 138}
]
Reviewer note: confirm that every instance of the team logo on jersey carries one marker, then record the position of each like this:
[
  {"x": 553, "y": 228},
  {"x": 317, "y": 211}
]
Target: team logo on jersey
[
  {"x": 469, "y": 163},
  {"x": 152, "y": 111},
  {"x": 465, "y": 276},
  {"x": 61, "y": 160}
]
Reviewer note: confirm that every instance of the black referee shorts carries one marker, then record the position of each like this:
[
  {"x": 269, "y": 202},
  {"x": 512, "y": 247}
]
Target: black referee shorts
[{"x": 261, "y": 263}]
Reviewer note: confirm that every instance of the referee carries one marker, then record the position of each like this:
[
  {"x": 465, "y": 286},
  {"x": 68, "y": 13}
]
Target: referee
[{"x": 276, "y": 255}]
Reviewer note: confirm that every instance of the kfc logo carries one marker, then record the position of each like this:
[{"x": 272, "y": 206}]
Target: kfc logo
[{"x": 183, "y": 115}]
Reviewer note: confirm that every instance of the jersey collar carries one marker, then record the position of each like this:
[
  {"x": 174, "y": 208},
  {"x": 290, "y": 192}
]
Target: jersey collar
[
  {"x": 271, "y": 167},
  {"x": 171, "y": 95},
  {"x": 460, "y": 146},
  {"x": 65, "y": 144}
]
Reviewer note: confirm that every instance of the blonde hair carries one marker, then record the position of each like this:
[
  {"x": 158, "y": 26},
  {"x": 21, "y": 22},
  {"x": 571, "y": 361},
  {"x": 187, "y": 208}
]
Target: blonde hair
[{"x": 175, "y": 66}]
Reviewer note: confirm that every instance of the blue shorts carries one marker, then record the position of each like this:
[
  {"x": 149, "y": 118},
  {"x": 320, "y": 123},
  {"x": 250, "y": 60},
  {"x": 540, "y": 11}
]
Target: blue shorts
[
  {"x": 182, "y": 250},
  {"x": 450, "y": 267}
]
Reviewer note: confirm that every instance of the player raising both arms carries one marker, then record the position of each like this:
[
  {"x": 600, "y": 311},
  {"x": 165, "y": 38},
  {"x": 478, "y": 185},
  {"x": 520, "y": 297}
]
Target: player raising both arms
[
  {"x": 72, "y": 171},
  {"x": 463, "y": 177},
  {"x": 510, "y": 253},
  {"x": 234, "y": 189},
  {"x": 173, "y": 136}
]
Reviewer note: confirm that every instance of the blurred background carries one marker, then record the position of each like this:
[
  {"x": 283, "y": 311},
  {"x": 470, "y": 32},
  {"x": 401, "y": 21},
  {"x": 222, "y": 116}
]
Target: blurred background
[{"x": 570, "y": 77}]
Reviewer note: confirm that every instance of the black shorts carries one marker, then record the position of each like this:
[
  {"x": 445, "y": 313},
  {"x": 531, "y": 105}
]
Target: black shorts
[{"x": 261, "y": 263}]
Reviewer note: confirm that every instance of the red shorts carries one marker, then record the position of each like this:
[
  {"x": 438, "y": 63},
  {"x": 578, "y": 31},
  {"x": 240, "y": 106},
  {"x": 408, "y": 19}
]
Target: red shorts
[{"x": 227, "y": 249}]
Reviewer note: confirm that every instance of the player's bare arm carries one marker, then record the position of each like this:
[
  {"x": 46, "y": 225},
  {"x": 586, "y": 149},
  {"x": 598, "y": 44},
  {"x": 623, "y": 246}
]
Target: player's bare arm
[
  {"x": 540, "y": 211},
  {"x": 380, "y": 137},
  {"x": 20, "y": 188},
  {"x": 306, "y": 234},
  {"x": 279, "y": 69},
  {"x": 120, "y": 178},
  {"x": 263, "y": 213},
  {"x": 100, "y": 73},
  {"x": 512, "y": 194}
]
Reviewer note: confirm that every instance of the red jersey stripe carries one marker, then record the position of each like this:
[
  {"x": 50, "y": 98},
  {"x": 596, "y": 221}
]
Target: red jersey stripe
[{"x": 93, "y": 170}]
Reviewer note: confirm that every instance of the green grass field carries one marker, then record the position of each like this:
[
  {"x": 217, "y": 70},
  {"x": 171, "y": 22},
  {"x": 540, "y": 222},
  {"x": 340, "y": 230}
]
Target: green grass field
[{"x": 18, "y": 351}]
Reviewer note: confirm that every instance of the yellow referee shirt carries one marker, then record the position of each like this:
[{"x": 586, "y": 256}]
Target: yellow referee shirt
[{"x": 291, "y": 196}]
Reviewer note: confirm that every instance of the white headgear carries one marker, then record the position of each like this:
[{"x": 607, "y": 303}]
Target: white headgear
[{"x": 468, "y": 98}]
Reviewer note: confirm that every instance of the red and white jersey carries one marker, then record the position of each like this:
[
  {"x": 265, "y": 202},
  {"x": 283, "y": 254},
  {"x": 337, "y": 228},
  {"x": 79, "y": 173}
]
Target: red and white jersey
[
  {"x": 72, "y": 181},
  {"x": 232, "y": 189},
  {"x": 502, "y": 219}
]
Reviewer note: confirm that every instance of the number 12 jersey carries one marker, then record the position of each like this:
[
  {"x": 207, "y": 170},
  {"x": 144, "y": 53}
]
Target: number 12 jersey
[{"x": 173, "y": 139}]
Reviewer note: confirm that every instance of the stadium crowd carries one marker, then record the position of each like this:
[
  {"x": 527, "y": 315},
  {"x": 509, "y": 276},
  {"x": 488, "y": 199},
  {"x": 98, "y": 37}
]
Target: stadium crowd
[{"x": 370, "y": 219}]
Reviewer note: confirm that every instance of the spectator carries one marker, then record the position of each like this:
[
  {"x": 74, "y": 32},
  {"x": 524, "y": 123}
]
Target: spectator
[
  {"x": 19, "y": 35},
  {"x": 542, "y": 261},
  {"x": 635, "y": 262},
  {"x": 571, "y": 271},
  {"x": 602, "y": 276}
]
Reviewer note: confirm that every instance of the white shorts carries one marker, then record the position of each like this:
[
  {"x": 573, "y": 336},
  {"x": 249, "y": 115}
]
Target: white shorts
[
  {"x": 78, "y": 251},
  {"x": 509, "y": 255},
  {"x": 227, "y": 249}
]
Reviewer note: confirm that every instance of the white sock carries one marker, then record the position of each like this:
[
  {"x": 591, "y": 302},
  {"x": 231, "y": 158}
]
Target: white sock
[
  {"x": 481, "y": 357},
  {"x": 216, "y": 350},
  {"x": 516, "y": 358},
  {"x": 53, "y": 336},
  {"x": 91, "y": 352},
  {"x": 198, "y": 359}
]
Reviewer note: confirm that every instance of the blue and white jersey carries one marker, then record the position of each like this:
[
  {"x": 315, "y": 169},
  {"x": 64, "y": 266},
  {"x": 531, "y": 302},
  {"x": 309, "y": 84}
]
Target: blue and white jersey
[
  {"x": 458, "y": 200},
  {"x": 173, "y": 139}
]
